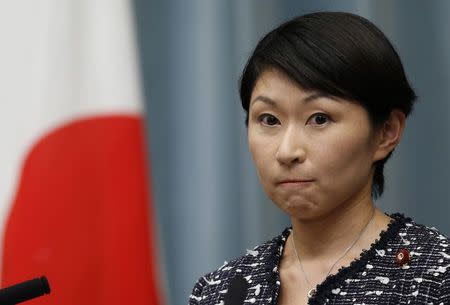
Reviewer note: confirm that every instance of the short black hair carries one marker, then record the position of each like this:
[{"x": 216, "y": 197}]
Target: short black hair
[{"x": 338, "y": 54}]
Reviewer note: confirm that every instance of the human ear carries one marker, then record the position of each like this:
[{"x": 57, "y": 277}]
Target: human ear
[{"x": 389, "y": 134}]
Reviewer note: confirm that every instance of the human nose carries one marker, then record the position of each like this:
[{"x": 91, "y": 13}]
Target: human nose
[{"x": 290, "y": 149}]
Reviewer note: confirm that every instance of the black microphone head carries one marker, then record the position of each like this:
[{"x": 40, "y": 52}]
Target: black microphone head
[
  {"x": 237, "y": 291},
  {"x": 24, "y": 291},
  {"x": 44, "y": 285}
]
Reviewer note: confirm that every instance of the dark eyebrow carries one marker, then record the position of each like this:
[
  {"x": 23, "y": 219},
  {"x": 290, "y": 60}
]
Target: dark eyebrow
[
  {"x": 264, "y": 99},
  {"x": 309, "y": 98}
]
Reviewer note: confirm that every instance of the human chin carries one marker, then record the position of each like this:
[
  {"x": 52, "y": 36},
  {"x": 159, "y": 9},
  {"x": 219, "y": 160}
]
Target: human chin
[{"x": 296, "y": 204}]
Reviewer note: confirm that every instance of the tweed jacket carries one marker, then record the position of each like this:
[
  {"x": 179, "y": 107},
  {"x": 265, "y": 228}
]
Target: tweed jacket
[{"x": 381, "y": 275}]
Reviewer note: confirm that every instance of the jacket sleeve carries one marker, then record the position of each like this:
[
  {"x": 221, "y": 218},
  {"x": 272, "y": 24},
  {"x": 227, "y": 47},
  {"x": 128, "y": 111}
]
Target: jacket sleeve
[{"x": 196, "y": 296}]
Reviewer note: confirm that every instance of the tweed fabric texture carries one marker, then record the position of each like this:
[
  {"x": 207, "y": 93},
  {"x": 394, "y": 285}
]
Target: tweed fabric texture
[{"x": 373, "y": 278}]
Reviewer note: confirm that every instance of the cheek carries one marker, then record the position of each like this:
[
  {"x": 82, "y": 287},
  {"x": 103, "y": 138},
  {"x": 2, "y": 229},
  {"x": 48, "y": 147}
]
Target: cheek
[
  {"x": 348, "y": 159},
  {"x": 262, "y": 153},
  {"x": 257, "y": 151}
]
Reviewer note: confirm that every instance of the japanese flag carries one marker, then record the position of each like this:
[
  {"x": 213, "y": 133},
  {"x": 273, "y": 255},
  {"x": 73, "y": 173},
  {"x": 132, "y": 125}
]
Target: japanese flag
[{"x": 74, "y": 189}]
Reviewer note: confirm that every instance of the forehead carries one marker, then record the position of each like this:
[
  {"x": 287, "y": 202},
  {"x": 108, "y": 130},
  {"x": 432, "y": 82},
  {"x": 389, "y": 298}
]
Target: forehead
[
  {"x": 273, "y": 86},
  {"x": 272, "y": 79},
  {"x": 277, "y": 90}
]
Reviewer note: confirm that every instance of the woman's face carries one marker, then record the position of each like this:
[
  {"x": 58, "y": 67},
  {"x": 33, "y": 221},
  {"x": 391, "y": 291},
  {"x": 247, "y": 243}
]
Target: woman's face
[{"x": 313, "y": 153}]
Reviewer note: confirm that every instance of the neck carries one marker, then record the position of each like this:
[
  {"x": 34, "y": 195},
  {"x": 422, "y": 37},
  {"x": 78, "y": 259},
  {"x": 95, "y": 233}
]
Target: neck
[{"x": 334, "y": 232}]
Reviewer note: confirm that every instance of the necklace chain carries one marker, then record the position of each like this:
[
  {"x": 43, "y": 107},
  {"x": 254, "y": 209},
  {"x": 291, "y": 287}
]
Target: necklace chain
[{"x": 312, "y": 291}]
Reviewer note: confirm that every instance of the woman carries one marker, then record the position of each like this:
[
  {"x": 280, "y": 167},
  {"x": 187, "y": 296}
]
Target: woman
[{"x": 326, "y": 99}]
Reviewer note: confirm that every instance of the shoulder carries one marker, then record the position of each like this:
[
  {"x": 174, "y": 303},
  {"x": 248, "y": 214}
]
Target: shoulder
[
  {"x": 429, "y": 249},
  {"x": 429, "y": 265},
  {"x": 257, "y": 265},
  {"x": 424, "y": 241}
]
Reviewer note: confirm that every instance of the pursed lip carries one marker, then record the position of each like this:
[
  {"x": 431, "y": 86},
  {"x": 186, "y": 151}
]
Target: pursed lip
[{"x": 295, "y": 182}]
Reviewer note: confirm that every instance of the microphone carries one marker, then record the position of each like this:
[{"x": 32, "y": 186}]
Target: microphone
[
  {"x": 237, "y": 291},
  {"x": 24, "y": 291}
]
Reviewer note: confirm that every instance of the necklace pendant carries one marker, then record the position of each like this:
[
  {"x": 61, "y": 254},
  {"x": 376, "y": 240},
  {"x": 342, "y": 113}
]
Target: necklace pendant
[{"x": 311, "y": 293}]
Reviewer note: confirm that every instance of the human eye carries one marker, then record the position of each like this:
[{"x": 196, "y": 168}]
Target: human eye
[
  {"x": 268, "y": 119},
  {"x": 319, "y": 119}
]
